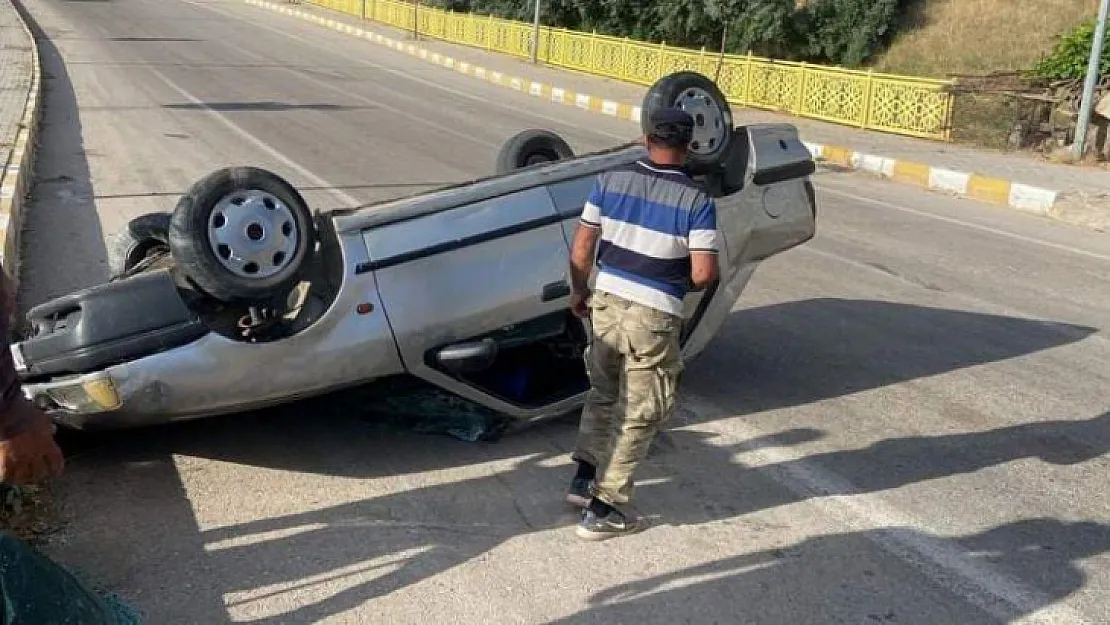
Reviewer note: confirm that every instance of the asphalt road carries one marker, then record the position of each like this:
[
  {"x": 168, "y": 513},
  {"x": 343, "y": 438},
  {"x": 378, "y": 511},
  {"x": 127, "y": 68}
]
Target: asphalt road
[{"x": 904, "y": 421}]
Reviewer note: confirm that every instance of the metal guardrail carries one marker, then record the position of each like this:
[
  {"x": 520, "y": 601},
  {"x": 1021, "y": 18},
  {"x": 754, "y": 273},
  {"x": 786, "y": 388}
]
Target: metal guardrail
[{"x": 903, "y": 105}]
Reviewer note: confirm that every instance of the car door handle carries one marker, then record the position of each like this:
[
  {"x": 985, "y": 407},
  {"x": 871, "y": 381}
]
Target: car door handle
[{"x": 555, "y": 290}]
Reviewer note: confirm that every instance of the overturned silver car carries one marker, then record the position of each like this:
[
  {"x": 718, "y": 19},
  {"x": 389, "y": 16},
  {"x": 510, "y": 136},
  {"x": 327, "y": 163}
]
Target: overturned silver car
[{"x": 242, "y": 298}]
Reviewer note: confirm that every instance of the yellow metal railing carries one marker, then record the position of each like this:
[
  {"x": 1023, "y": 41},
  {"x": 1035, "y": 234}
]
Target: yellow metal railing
[{"x": 898, "y": 104}]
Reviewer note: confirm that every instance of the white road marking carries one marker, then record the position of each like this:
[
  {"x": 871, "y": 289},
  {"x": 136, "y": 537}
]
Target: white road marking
[
  {"x": 485, "y": 100},
  {"x": 974, "y": 226},
  {"x": 896, "y": 532},
  {"x": 259, "y": 143}
]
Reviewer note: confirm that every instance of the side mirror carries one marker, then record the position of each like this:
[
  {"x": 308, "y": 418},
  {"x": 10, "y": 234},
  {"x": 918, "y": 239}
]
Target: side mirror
[{"x": 468, "y": 357}]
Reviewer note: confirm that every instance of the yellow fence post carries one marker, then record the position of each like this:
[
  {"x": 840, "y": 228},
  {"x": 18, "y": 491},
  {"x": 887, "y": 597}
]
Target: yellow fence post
[
  {"x": 625, "y": 73},
  {"x": 748, "y": 73},
  {"x": 869, "y": 90},
  {"x": 662, "y": 56},
  {"x": 799, "y": 104},
  {"x": 592, "y": 57},
  {"x": 489, "y": 32}
]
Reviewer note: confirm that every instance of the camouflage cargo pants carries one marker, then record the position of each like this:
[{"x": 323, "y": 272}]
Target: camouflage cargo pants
[{"x": 634, "y": 363}]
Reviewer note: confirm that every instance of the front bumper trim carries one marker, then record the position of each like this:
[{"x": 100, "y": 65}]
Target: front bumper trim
[{"x": 87, "y": 394}]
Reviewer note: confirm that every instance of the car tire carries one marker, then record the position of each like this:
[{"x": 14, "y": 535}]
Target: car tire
[
  {"x": 531, "y": 147},
  {"x": 699, "y": 96},
  {"x": 144, "y": 235},
  {"x": 242, "y": 234}
]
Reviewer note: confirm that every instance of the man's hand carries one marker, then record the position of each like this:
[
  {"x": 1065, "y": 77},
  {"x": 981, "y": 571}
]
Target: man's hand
[
  {"x": 32, "y": 455},
  {"x": 580, "y": 303}
]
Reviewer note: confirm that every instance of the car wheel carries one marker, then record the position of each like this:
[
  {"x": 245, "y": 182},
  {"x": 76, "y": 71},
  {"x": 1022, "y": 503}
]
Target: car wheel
[
  {"x": 242, "y": 234},
  {"x": 700, "y": 97},
  {"x": 143, "y": 236},
  {"x": 531, "y": 147}
]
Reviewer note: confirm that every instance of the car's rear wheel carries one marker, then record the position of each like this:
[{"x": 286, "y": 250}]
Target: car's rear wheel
[
  {"x": 143, "y": 237},
  {"x": 531, "y": 147},
  {"x": 701, "y": 98},
  {"x": 242, "y": 234}
]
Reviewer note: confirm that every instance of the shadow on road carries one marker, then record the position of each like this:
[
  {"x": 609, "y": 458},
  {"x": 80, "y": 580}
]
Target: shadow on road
[
  {"x": 822, "y": 580},
  {"x": 800, "y": 352},
  {"x": 264, "y": 106},
  {"x": 375, "y": 546},
  {"x": 378, "y": 545},
  {"x": 153, "y": 39},
  {"x": 60, "y": 219},
  {"x": 61, "y": 225}
]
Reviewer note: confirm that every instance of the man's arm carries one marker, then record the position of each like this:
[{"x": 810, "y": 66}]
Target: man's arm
[
  {"x": 583, "y": 247},
  {"x": 582, "y": 256},
  {"x": 28, "y": 452},
  {"x": 704, "y": 246}
]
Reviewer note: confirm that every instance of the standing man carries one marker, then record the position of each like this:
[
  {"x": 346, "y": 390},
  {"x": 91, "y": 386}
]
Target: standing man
[
  {"x": 658, "y": 240},
  {"x": 28, "y": 453}
]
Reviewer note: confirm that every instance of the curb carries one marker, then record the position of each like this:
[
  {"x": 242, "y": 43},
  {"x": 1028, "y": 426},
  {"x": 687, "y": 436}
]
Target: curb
[
  {"x": 996, "y": 191},
  {"x": 14, "y": 179}
]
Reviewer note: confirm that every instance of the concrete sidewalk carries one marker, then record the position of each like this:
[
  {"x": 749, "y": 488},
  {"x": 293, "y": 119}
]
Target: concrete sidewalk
[
  {"x": 1020, "y": 181},
  {"x": 19, "y": 97}
]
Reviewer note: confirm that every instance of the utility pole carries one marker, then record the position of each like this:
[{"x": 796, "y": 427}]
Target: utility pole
[
  {"x": 1093, "y": 67},
  {"x": 536, "y": 33}
]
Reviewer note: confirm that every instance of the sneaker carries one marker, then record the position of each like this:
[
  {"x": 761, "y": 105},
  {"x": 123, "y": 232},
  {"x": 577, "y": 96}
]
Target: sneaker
[
  {"x": 579, "y": 494},
  {"x": 594, "y": 527}
]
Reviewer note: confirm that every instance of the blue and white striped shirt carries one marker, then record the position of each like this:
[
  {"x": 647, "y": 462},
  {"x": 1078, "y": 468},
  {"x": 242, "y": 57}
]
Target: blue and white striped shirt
[{"x": 651, "y": 217}]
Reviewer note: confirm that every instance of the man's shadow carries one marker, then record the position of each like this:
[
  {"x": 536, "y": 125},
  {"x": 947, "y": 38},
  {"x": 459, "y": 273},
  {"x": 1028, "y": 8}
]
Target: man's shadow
[{"x": 837, "y": 578}]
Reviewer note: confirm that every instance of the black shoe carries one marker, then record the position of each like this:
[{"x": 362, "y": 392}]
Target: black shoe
[
  {"x": 580, "y": 494},
  {"x": 595, "y": 527}
]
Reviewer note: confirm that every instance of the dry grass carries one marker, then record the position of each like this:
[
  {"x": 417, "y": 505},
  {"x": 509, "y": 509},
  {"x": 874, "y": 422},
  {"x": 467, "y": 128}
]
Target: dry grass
[{"x": 947, "y": 37}]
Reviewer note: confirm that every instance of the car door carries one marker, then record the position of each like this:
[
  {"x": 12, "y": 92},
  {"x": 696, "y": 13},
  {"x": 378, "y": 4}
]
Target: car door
[
  {"x": 765, "y": 206},
  {"x": 462, "y": 284}
]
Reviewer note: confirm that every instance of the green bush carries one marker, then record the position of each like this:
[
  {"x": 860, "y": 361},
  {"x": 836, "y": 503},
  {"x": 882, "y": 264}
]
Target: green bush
[{"x": 1072, "y": 54}]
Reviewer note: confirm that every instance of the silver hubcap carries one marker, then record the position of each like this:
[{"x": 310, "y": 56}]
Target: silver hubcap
[
  {"x": 710, "y": 124},
  {"x": 253, "y": 234}
]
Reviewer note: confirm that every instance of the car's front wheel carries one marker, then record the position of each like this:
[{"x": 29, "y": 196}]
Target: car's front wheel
[{"x": 242, "y": 234}]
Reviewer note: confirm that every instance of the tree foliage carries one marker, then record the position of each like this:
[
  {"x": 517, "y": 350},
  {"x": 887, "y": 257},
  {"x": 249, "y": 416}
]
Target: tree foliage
[
  {"x": 842, "y": 32},
  {"x": 1073, "y": 53}
]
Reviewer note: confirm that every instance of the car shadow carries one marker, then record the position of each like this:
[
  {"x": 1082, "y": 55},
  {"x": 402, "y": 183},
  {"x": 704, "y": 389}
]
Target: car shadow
[{"x": 382, "y": 544}]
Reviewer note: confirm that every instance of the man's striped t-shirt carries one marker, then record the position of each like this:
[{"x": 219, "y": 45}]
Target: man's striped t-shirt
[{"x": 651, "y": 217}]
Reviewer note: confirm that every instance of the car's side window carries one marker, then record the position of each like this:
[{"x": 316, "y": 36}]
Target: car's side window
[{"x": 570, "y": 195}]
